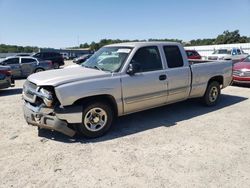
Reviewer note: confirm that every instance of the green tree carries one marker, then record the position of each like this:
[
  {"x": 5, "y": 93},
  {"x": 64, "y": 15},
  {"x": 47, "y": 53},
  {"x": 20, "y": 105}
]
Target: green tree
[{"x": 231, "y": 37}]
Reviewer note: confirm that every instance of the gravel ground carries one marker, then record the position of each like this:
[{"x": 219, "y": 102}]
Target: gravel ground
[{"x": 180, "y": 145}]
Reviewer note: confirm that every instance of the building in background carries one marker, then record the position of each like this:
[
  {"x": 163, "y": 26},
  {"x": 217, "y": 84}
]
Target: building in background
[{"x": 72, "y": 53}]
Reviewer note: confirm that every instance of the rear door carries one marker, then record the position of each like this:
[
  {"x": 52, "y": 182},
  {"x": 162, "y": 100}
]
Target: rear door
[
  {"x": 147, "y": 88},
  {"x": 14, "y": 65},
  {"x": 178, "y": 74},
  {"x": 28, "y": 66}
]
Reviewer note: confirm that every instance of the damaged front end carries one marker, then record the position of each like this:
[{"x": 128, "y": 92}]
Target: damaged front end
[{"x": 42, "y": 109}]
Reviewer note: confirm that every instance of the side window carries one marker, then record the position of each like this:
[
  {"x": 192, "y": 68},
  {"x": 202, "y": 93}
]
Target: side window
[
  {"x": 12, "y": 61},
  {"x": 190, "y": 53},
  {"x": 27, "y": 60},
  {"x": 38, "y": 55},
  {"x": 148, "y": 58},
  {"x": 173, "y": 56},
  {"x": 238, "y": 51}
]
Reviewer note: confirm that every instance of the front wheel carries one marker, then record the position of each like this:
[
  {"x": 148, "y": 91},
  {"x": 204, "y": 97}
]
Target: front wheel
[
  {"x": 212, "y": 94},
  {"x": 97, "y": 118}
]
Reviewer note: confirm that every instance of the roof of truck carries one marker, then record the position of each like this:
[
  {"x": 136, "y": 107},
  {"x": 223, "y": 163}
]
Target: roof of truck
[{"x": 141, "y": 44}]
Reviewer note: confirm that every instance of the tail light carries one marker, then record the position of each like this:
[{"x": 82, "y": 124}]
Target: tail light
[{"x": 6, "y": 72}]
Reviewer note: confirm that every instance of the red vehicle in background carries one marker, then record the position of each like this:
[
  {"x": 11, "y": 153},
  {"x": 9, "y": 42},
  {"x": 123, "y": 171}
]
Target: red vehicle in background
[
  {"x": 193, "y": 54},
  {"x": 241, "y": 71}
]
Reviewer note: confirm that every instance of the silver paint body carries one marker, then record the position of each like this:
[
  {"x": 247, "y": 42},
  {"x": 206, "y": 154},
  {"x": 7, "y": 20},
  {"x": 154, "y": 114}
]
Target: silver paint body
[{"x": 137, "y": 92}]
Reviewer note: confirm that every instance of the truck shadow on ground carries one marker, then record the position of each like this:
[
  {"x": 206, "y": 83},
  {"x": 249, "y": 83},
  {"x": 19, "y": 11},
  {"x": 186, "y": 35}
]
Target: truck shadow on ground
[
  {"x": 10, "y": 91},
  {"x": 165, "y": 116}
]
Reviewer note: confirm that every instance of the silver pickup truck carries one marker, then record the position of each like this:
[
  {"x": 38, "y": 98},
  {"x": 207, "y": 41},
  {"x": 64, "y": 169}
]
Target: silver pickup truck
[{"x": 117, "y": 80}]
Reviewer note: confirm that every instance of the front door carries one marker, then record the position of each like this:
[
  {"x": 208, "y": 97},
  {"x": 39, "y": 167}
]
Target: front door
[{"x": 146, "y": 88}]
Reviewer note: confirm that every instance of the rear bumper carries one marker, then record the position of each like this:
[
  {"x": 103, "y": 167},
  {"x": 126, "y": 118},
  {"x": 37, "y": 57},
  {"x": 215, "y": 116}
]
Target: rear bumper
[{"x": 49, "y": 119}]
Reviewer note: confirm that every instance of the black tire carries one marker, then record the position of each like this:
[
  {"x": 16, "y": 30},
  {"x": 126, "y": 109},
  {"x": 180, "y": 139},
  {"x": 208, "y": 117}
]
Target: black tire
[
  {"x": 39, "y": 70},
  {"x": 56, "y": 66},
  {"x": 84, "y": 128},
  {"x": 212, "y": 94}
]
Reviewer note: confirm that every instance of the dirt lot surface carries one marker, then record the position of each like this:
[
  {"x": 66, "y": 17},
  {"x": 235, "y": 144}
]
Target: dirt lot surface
[{"x": 180, "y": 145}]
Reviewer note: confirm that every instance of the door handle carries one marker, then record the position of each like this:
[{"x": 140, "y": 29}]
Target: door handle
[{"x": 162, "y": 77}]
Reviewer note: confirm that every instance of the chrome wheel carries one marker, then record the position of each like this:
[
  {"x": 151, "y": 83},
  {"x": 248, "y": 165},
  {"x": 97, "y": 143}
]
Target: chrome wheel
[
  {"x": 213, "y": 94},
  {"x": 95, "y": 119}
]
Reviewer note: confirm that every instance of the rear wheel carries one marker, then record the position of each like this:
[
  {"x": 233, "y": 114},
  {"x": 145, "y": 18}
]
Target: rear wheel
[
  {"x": 96, "y": 120},
  {"x": 39, "y": 70},
  {"x": 56, "y": 66},
  {"x": 212, "y": 94}
]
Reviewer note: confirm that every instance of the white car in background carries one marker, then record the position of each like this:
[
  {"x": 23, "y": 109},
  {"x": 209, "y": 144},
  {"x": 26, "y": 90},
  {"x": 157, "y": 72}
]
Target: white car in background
[{"x": 234, "y": 54}]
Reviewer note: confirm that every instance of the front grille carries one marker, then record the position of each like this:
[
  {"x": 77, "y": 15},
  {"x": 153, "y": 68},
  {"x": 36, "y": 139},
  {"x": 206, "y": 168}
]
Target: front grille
[
  {"x": 27, "y": 87},
  {"x": 241, "y": 73}
]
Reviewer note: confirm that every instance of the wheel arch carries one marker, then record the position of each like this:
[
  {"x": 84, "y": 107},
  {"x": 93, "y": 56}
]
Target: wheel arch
[
  {"x": 218, "y": 79},
  {"x": 106, "y": 98}
]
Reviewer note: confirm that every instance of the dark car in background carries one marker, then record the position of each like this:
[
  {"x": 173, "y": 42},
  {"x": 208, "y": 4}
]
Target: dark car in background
[
  {"x": 25, "y": 66},
  {"x": 241, "y": 71},
  {"x": 56, "y": 58},
  {"x": 82, "y": 58},
  {"x": 193, "y": 54},
  {"x": 6, "y": 79}
]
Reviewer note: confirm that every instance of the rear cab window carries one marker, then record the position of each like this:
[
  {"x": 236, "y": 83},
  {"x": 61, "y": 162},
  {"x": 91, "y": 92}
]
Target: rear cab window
[{"x": 173, "y": 56}]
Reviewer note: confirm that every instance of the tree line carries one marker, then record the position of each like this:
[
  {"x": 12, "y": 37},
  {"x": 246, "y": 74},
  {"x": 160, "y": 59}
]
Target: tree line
[
  {"x": 227, "y": 37},
  {"x": 4, "y": 48}
]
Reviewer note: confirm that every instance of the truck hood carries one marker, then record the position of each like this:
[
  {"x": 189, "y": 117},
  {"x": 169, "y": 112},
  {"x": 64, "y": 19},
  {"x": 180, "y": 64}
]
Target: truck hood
[
  {"x": 66, "y": 75},
  {"x": 242, "y": 65}
]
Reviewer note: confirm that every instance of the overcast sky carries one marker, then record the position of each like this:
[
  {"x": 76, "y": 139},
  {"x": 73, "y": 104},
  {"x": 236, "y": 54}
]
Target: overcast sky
[{"x": 64, "y": 23}]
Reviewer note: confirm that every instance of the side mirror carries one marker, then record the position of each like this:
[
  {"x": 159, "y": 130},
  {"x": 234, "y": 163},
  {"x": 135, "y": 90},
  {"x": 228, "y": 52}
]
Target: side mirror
[{"x": 133, "y": 68}]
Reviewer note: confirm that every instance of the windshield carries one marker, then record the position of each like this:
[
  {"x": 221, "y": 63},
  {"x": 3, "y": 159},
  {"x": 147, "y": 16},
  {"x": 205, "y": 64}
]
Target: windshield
[
  {"x": 247, "y": 60},
  {"x": 222, "y": 51},
  {"x": 108, "y": 58}
]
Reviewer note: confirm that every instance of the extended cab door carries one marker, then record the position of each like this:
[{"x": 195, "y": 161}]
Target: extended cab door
[
  {"x": 146, "y": 88},
  {"x": 178, "y": 73}
]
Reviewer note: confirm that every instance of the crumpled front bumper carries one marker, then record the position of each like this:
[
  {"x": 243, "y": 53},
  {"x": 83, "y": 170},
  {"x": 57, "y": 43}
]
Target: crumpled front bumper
[{"x": 53, "y": 119}]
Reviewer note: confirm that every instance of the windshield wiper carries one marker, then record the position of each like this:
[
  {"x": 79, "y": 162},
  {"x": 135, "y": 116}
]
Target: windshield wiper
[{"x": 96, "y": 67}]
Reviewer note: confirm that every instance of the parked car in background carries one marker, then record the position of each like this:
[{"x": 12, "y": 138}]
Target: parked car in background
[
  {"x": 234, "y": 54},
  {"x": 56, "y": 58},
  {"x": 119, "y": 79},
  {"x": 82, "y": 58},
  {"x": 65, "y": 56},
  {"x": 193, "y": 54},
  {"x": 241, "y": 71},
  {"x": 6, "y": 79},
  {"x": 25, "y": 66}
]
